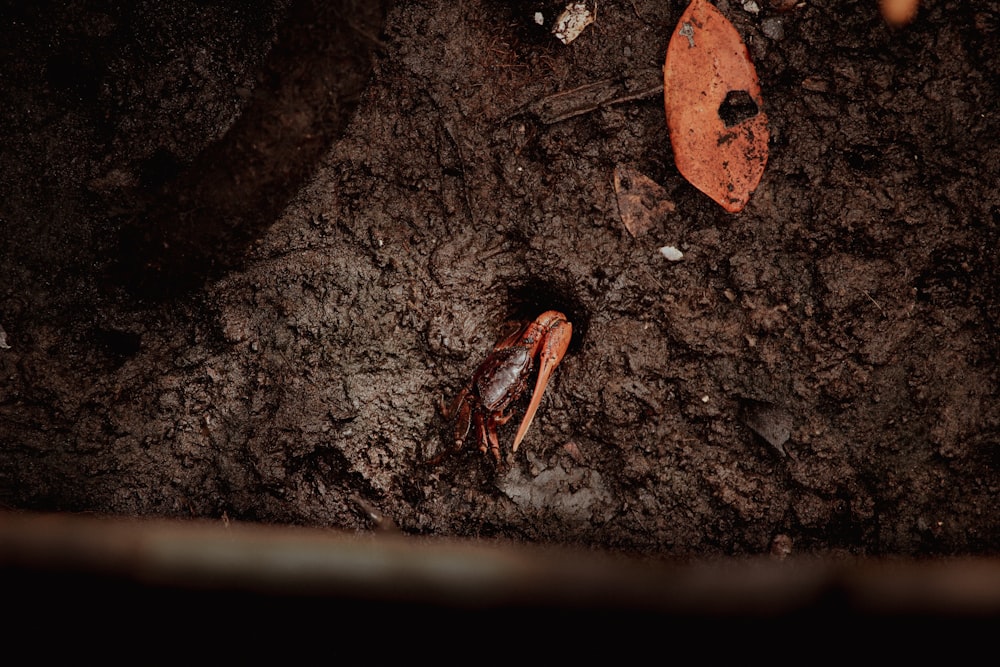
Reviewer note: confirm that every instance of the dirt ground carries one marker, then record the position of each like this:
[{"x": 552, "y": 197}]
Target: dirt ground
[{"x": 248, "y": 252}]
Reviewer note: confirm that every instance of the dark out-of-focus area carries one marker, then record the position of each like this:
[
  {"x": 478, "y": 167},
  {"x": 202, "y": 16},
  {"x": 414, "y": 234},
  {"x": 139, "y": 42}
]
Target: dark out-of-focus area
[
  {"x": 205, "y": 575},
  {"x": 122, "y": 123}
]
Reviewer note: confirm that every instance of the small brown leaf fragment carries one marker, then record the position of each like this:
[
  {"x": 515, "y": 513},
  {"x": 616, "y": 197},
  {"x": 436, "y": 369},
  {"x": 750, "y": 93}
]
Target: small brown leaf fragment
[
  {"x": 770, "y": 422},
  {"x": 815, "y": 84},
  {"x": 642, "y": 202},
  {"x": 573, "y": 450}
]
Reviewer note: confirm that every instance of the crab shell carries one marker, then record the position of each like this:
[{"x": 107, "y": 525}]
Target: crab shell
[{"x": 501, "y": 379}]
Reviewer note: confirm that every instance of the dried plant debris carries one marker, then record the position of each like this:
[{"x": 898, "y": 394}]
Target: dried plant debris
[
  {"x": 642, "y": 202},
  {"x": 567, "y": 104},
  {"x": 573, "y": 21},
  {"x": 770, "y": 422}
]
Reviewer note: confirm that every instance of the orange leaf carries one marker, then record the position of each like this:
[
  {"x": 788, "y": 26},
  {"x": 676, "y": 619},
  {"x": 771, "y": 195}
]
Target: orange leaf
[
  {"x": 718, "y": 129},
  {"x": 898, "y": 13}
]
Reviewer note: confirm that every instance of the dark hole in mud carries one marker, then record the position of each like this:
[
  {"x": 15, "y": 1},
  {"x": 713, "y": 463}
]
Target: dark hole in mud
[
  {"x": 737, "y": 107},
  {"x": 117, "y": 346},
  {"x": 537, "y": 295},
  {"x": 863, "y": 158}
]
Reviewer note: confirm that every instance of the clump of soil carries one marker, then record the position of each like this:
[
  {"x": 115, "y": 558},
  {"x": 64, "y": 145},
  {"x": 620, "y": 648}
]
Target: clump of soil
[{"x": 249, "y": 251}]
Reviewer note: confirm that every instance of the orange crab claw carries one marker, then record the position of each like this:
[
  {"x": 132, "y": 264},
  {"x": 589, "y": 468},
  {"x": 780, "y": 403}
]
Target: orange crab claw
[{"x": 556, "y": 332}]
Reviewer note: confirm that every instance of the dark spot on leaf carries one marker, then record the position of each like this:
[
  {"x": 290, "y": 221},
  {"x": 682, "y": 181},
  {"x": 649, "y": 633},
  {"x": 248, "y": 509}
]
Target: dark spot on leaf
[{"x": 737, "y": 107}]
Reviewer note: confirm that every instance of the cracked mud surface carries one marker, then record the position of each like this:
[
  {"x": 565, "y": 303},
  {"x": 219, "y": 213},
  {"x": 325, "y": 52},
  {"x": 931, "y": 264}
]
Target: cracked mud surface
[{"x": 247, "y": 253}]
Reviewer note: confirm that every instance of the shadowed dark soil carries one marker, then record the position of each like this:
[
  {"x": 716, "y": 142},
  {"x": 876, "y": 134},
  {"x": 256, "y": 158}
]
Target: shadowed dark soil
[{"x": 247, "y": 251}]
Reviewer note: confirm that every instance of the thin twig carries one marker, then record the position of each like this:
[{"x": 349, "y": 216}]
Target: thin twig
[{"x": 877, "y": 304}]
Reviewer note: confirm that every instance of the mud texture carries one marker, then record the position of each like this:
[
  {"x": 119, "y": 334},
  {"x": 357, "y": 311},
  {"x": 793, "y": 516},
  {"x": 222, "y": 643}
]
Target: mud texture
[{"x": 248, "y": 252}]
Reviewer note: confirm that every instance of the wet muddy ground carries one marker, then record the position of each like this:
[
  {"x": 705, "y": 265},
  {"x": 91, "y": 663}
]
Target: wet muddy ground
[{"x": 249, "y": 252}]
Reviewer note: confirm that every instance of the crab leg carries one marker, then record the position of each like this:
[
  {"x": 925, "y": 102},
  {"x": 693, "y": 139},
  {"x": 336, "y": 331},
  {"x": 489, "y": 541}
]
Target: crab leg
[
  {"x": 489, "y": 427},
  {"x": 461, "y": 411},
  {"x": 554, "y": 343}
]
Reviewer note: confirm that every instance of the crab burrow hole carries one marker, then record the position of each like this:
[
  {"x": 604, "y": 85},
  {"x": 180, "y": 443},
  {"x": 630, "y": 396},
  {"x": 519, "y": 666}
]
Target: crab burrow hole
[{"x": 534, "y": 296}]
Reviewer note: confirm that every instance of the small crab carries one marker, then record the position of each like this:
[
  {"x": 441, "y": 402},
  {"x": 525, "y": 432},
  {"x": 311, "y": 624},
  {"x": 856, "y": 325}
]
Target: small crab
[{"x": 502, "y": 378}]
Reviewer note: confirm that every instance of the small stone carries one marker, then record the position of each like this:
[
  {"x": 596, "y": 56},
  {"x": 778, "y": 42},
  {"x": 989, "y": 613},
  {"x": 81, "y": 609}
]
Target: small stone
[
  {"x": 773, "y": 27},
  {"x": 671, "y": 253}
]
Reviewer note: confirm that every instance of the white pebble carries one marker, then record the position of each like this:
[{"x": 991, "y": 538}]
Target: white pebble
[{"x": 671, "y": 253}]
